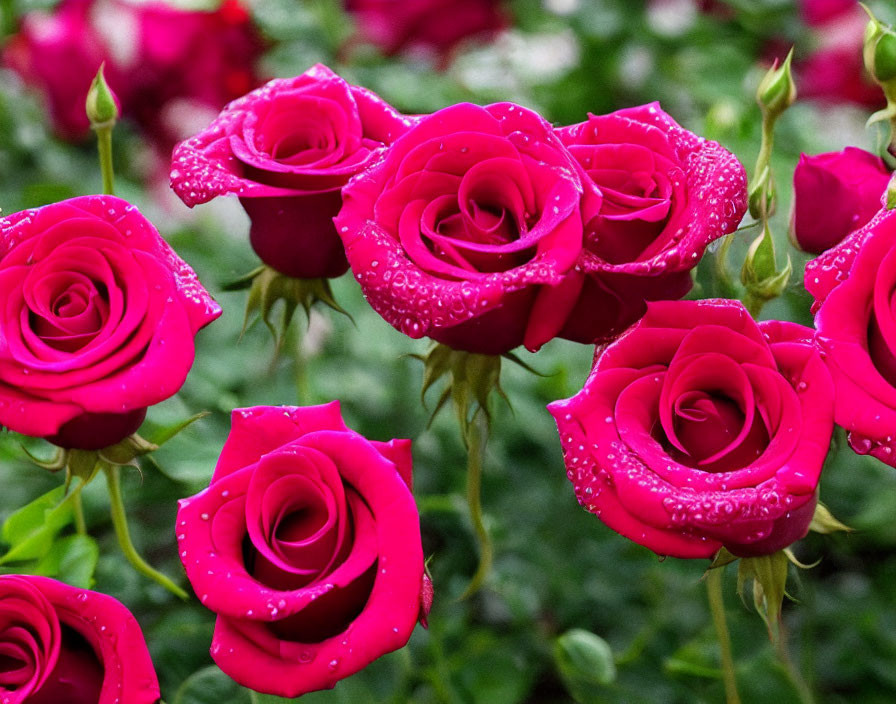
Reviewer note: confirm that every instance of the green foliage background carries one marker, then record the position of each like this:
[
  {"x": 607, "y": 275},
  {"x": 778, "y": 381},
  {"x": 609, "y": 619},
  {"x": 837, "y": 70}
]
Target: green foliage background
[{"x": 557, "y": 568}]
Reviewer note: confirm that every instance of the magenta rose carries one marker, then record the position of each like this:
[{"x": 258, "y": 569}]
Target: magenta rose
[
  {"x": 63, "y": 645},
  {"x": 306, "y": 544},
  {"x": 699, "y": 429},
  {"x": 834, "y": 194},
  {"x": 655, "y": 196},
  {"x": 854, "y": 286},
  {"x": 469, "y": 230},
  {"x": 436, "y": 25},
  {"x": 834, "y": 71},
  {"x": 164, "y": 63},
  {"x": 286, "y": 150},
  {"x": 97, "y": 322}
]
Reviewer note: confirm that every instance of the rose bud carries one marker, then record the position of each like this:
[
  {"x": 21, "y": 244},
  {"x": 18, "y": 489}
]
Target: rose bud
[
  {"x": 655, "y": 196},
  {"x": 853, "y": 285},
  {"x": 286, "y": 150},
  {"x": 98, "y": 321},
  {"x": 834, "y": 194},
  {"x": 66, "y": 645},
  {"x": 306, "y": 545},
  {"x": 699, "y": 429}
]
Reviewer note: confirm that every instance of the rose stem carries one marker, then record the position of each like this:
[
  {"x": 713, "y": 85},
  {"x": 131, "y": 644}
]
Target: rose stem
[
  {"x": 80, "y": 523},
  {"x": 104, "y": 143},
  {"x": 803, "y": 691},
  {"x": 717, "y": 609},
  {"x": 475, "y": 450},
  {"x": 120, "y": 522}
]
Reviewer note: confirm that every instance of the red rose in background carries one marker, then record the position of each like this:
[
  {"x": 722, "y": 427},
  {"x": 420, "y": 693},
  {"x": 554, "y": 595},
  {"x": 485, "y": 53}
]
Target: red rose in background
[
  {"x": 655, "y": 196},
  {"x": 469, "y": 229},
  {"x": 699, "y": 429},
  {"x": 306, "y": 544},
  {"x": 160, "y": 60},
  {"x": 854, "y": 285},
  {"x": 97, "y": 323},
  {"x": 63, "y": 645},
  {"x": 286, "y": 150},
  {"x": 395, "y": 25},
  {"x": 834, "y": 194},
  {"x": 835, "y": 71}
]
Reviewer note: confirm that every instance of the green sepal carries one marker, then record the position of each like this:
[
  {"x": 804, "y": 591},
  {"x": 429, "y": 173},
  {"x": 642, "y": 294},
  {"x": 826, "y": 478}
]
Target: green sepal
[
  {"x": 269, "y": 286},
  {"x": 82, "y": 464},
  {"x": 891, "y": 194},
  {"x": 769, "y": 576},
  {"x": 470, "y": 377},
  {"x": 824, "y": 522},
  {"x": 720, "y": 559},
  {"x": 54, "y": 464}
]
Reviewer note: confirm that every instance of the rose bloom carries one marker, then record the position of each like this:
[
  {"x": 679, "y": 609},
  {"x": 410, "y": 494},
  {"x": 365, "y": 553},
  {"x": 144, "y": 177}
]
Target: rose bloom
[
  {"x": 435, "y": 25},
  {"x": 655, "y": 196},
  {"x": 854, "y": 285},
  {"x": 63, "y": 645},
  {"x": 834, "y": 71},
  {"x": 286, "y": 150},
  {"x": 699, "y": 429},
  {"x": 306, "y": 544},
  {"x": 161, "y": 61},
  {"x": 834, "y": 194},
  {"x": 469, "y": 230},
  {"x": 97, "y": 323}
]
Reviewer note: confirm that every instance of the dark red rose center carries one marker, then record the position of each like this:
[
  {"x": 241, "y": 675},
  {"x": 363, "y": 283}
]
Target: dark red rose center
[
  {"x": 71, "y": 315},
  {"x": 17, "y": 665},
  {"x": 77, "y": 677},
  {"x": 706, "y": 424}
]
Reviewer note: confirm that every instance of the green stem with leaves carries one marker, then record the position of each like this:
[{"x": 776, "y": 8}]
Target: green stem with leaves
[
  {"x": 120, "y": 523},
  {"x": 717, "y": 609}
]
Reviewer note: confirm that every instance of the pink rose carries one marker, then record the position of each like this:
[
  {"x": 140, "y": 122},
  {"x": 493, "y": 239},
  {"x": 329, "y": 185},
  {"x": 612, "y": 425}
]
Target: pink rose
[
  {"x": 159, "y": 58},
  {"x": 834, "y": 71},
  {"x": 854, "y": 285},
  {"x": 834, "y": 194},
  {"x": 655, "y": 196},
  {"x": 63, "y": 645},
  {"x": 396, "y": 25},
  {"x": 820, "y": 12},
  {"x": 469, "y": 229},
  {"x": 286, "y": 150},
  {"x": 699, "y": 429},
  {"x": 97, "y": 322},
  {"x": 306, "y": 544}
]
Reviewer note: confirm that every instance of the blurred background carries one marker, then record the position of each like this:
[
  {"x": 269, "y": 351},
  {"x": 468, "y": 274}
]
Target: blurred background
[{"x": 557, "y": 568}]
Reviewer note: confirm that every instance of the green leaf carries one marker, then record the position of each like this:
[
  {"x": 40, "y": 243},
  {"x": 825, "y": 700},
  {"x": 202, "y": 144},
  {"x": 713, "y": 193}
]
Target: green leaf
[
  {"x": 72, "y": 560},
  {"x": 211, "y": 686},
  {"x": 30, "y": 530}
]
